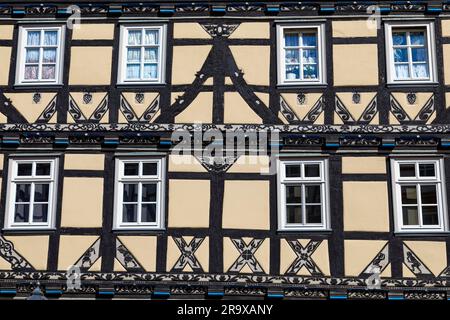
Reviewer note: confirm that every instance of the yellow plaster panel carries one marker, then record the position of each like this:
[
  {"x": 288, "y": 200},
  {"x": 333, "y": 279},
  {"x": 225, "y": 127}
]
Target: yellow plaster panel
[
  {"x": 2, "y": 160},
  {"x": 200, "y": 110},
  {"x": 24, "y": 103},
  {"x": 4, "y": 265},
  {"x": 5, "y": 61},
  {"x": 82, "y": 202},
  {"x": 366, "y": 206},
  {"x": 118, "y": 266},
  {"x": 184, "y": 163},
  {"x": 432, "y": 253},
  {"x": 301, "y": 110},
  {"x": 251, "y": 163},
  {"x": 254, "y": 61},
  {"x": 6, "y": 31},
  {"x": 412, "y": 109},
  {"x": 93, "y": 31},
  {"x": 445, "y": 28},
  {"x": 237, "y": 110},
  {"x": 88, "y": 108},
  {"x": 187, "y": 61},
  {"x": 77, "y": 161},
  {"x": 189, "y": 30},
  {"x": 354, "y": 28},
  {"x": 320, "y": 257},
  {"x": 230, "y": 254},
  {"x": 358, "y": 165},
  {"x": 359, "y": 253},
  {"x": 189, "y": 203},
  {"x": 140, "y": 108},
  {"x": 173, "y": 253},
  {"x": 446, "y": 53},
  {"x": 252, "y": 30},
  {"x": 355, "y": 64},
  {"x": 90, "y": 66},
  {"x": 143, "y": 248},
  {"x": 263, "y": 255},
  {"x": 33, "y": 248},
  {"x": 356, "y": 109},
  {"x": 246, "y": 205},
  {"x": 71, "y": 248}
]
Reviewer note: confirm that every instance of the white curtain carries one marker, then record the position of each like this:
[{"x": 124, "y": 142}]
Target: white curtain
[
  {"x": 420, "y": 70},
  {"x": 48, "y": 72},
  {"x": 133, "y": 71},
  {"x": 150, "y": 71},
  {"x": 151, "y": 37},
  {"x": 49, "y": 55},
  {"x": 402, "y": 71},
  {"x": 134, "y": 55},
  {"x": 151, "y": 55},
  {"x": 51, "y": 38},
  {"x": 134, "y": 37},
  {"x": 33, "y": 38},
  {"x": 31, "y": 72},
  {"x": 310, "y": 56},
  {"x": 32, "y": 55},
  {"x": 291, "y": 39}
]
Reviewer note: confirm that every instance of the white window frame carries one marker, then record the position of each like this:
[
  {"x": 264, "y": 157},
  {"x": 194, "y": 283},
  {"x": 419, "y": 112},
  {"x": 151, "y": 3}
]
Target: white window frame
[
  {"x": 52, "y": 179},
  {"x": 319, "y": 28},
  {"x": 20, "y": 66},
  {"x": 282, "y": 181},
  {"x": 431, "y": 52},
  {"x": 438, "y": 180},
  {"x": 160, "y": 194},
  {"x": 122, "y": 69}
]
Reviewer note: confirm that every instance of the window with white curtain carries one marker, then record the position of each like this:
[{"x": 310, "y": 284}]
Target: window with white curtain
[
  {"x": 142, "y": 54},
  {"x": 410, "y": 53},
  {"x": 40, "y": 55}
]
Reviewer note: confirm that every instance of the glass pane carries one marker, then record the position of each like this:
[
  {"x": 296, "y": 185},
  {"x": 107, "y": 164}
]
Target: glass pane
[
  {"x": 293, "y": 194},
  {"x": 149, "y": 192},
  {"x": 41, "y": 192},
  {"x": 33, "y": 38},
  {"x": 426, "y": 170},
  {"x": 400, "y": 55},
  {"x": 40, "y": 212},
  {"x": 291, "y": 40},
  {"x": 131, "y": 169},
  {"x": 292, "y": 56},
  {"x": 151, "y": 37},
  {"x": 134, "y": 37},
  {"x": 417, "y": 38},
  {"x": 24, "y": 169},
  {"x": 32, "y": 56},
  {"x": 292, "y": 72},
  {"x": 310, "y": 71},
  {"x": 293, "y": 171},
  {"x": 420, "y": 70},
  {"x": 309, "y": 39},
  {"x": 398, "y": 38},
  {"x": 151, "y": 55},
  {"x": 313, "y": 214},
  {"x": 129, "y": 213},
  {"x": 134, "y": 54},
  {"x": 430, "y": 215},
  {"x": 294, "y": 214},
  {"x": 49, "y": 55},
  {"x": 42, "y": 169},
  {"x": 51, "y": 38},
  {"x": 409, "y": 195},
  {"x": 402, "y": 71},
  {"x": 21, "y": 213},
  {"x": 428, "y": 194},
  {"x": 31, "y": 72},
  {"x": 410, "y": 216},
  {"x": 312, "y": 194},
  {"x": 148, "y": 213},
  {"x": 48, "y": 72},
  {"x": 407, "y": 170},
  {"x": 309, "y": 56},
  {"x": 419, "y": 54},
  {"x": 150, "y": 71},
  {"x": 133, "y": 71},
  {"x": 130, "y": 192},
  {"x": 23, "y": 192},
  {"x": 149, "y": 169},
  {"x": 312, "y": 170}
]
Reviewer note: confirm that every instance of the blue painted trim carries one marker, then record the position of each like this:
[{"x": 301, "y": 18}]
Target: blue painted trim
[
  {"x": 396, "y": 298},
  {"x": 18, "y": 11},
  {"x": 331, "y": 9},
  {"x": 8, "y": 291},
  {"x": 338, "y": 297},
  {"x": 111, "y": 142},
  {"x": 161, "y": 293},
  {"x": 216, "y": 294},
  {"x": 14, "y": 142},
  {"x": 275, "y": 295},
  {"x": 434, "y": 10},
  {"x": 445, "y": 144},
  {"x": 332, "y": 145},
  {"x": 53, "y": 292},
  {"x": 218, "y": 9},
  {"x": 115, "y": 11},
  {"x": 165, "y": 143},
  {"x": 270, "y": 9},
  {"x": 168, "y": 11},
  {"x": 62, "y": 142},
  {"x": 106, "y": 293},
  {"x": 385, "y": 10},
  {"x": 388, "y": 145}
]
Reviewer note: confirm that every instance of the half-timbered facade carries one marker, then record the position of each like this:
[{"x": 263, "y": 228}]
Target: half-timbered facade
[{"x": 352, "y": 186}]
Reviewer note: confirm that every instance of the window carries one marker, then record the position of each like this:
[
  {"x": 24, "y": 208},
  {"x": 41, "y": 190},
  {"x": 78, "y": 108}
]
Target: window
[
  {"x": 303, "y": 195},
  {"x": 418, "y": 195},
  {"x": 410, "y": 53},
  {"x": 31, "y": 193},
  {"x": 40, "y": 55},
  {"x": 139, "y": 194},
  {"x": 142, "y": 54},
  {"x": 301, "y": 54}
]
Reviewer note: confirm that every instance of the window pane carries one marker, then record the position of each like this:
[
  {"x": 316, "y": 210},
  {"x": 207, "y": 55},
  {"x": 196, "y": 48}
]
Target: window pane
[
  {"x": 294, "y": 214},
  {"x": 40, "y": 212},
  {"x": 42, "y": 169},
  {"x": 400, "y": 55},
  {"x": 50, "y": 38},
  {"x": 292, "y": 72},
  {"x": 41, "y": 192},
  {"x": 133, "y": 71},
  {"x": 309, "y": 39},
  {"x": 293, "y": 171},
  {"x": 149, "y": 192},
  {"x": 312, "y": 170},
  {"x": 131, "y": 169},
  {"x": 309, "y": 56},
  {"x": 151, "y": 55},
  {"x": 310, "y": 71},
  {"x": 134, "y": 55},
  {"x": 48, "y": 72},
  {"x": 23, "y": 191},
  {"x": 399, "y": 38},
  {"x": 33, "y": 38},
  {"x": 134, "y": 37},
  {"x": 426, "y": 170},
  {"x": 410, "y": 216},
  {"x": 149, "y": 168},
  {"x": 148, "y": 213},
  {"x": 430, "y": 215},
  {"x": 293, "y": 194},
  {"x": 420, "y": 70},
  {"x": 407, "y": 170},
  {"x": 312, "y": 194},
  {"x": 292, "y": 56},
  {"x": 402, "y": 71},
  {"x": 150, "y": 71},
  {"x": 409, "y": 195},
  {"x": 417, "y": 38},
  {"x": 151, "y": 37},
  {"x": 129, "y": 213},
  {"x": 32, "y": 55},
  {"x": 291, "y": 39},
  {"x": 419, "y": 54},
  {"x": 24, "y": 169},
  {"x": 313, "y": 214},
  {"x": 428, "y": 194},
  {"x": 31, "y": 72},
  {"x": 49, "y": 55},
  {"x": 130, "y": 192},
  {"x": 21, "y": 213}
]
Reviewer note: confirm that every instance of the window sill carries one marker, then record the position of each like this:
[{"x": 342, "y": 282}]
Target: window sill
[
  {"x": 290, "y": 231},
  {"x": 420, "y": 85},
  {"x": 30, "y": 230},
  {"x": 38, "y": 86},
  {"x": 138, "y": 230},
  {"x": 300, "y": 85},
  {"x": 422, "y": 233},
  {"x": 141, "y": 84}
]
